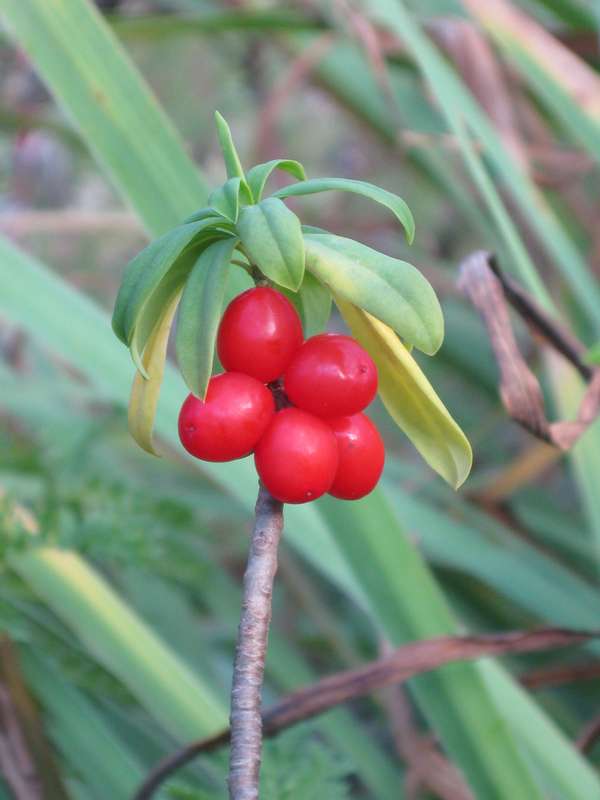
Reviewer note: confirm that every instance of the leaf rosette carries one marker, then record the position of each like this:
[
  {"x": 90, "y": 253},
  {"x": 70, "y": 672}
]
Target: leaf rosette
[{"x": 195, "y": 269}]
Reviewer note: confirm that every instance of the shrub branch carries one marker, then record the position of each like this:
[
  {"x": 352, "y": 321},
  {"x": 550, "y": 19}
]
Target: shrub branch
[
  {"x": 394, "y": 669},
  {"x": 249, "y": 665}
]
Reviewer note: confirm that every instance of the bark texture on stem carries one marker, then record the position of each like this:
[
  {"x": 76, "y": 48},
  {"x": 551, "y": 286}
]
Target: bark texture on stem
[{"x": 245, "y": 718}]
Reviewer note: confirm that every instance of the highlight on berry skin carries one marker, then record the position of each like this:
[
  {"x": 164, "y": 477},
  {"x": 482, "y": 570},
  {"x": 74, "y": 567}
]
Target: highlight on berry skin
[
  {"x": 259, "y": 333},
  {"x": 230, "y": 422},
  {"x": 246, "y": 286},
  {"x": 319, "y": 442}
]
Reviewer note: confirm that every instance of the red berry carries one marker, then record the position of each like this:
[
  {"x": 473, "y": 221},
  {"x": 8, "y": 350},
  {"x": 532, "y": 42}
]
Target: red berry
[
  {"x": 361, "y": 456},
  {"x": 259, "y": 333},
  {"x": 331, "y": 376},
  {"x": 229, "y": 423},
  {"x": 297, "y": 457}
]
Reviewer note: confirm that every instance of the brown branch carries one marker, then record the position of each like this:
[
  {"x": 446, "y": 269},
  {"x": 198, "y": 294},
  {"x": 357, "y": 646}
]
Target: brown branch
[
  {"x": 16, "y": 765},
  {"x": 556, "y": 335},
  {"x": 589, "y": 735},
  {"x": 489, "y": 290},
  {"x": 557, "y": 676},
  {"x": 248, "y": 670},
  {"x": 402, "y": 664}
]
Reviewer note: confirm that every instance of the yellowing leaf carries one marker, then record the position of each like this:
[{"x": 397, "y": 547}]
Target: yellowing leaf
[
  {"x": 145, "y": 391},
  {"x": 410, "y": 399}
]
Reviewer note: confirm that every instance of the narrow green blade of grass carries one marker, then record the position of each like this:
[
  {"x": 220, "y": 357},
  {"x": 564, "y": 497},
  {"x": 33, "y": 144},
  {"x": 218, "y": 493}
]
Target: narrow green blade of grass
[
  {"x": 362, "y": 96},
  {"x": 574, "y": 13},
  {"x": 455, "y": 101},
  {"x": 121, "y": 641},
  {"x": 512, "y": 567},
  {"x": 101, "y": 360},
  {"x": 286, "y": 668},
  {"x": 71, "y": 324},
  {"x": 85, "y": 67},
  {"x": 159, "y": 26},
  {"x": 516, "y": 249},
  {"x": 566, "y": 84},
  {"x": 32, "y": 296},
  {"x": 89, "y": 747},
  {"x": 455, "y": 536},
  {"x": 563, "y": 771},
  {"x": 584, "y": 458},
  {"x": 409, "y": 605}
]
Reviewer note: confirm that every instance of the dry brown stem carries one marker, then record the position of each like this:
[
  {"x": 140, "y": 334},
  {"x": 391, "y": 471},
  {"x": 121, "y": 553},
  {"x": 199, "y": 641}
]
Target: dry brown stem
[{"x": 396, "y": 668}]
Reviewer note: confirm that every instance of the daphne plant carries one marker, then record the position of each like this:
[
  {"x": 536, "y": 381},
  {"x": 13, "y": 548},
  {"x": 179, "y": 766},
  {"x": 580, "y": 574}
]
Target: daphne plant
[
  {"x": 297, "y": 405},
  {"x": 387, "y": 303}
]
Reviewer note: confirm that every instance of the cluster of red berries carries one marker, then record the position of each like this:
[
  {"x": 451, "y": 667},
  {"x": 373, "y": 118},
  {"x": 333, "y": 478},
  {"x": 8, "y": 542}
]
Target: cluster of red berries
[{"x": 319, "y": 441}]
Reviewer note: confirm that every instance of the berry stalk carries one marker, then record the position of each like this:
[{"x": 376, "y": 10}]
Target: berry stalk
[{"x": 248, "y": 671}]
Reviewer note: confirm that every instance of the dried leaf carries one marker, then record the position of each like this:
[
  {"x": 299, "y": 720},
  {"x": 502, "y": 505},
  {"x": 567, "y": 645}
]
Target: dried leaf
[
  {"x": 145, "y": 391},
  {"x": 520, "y": 390}
]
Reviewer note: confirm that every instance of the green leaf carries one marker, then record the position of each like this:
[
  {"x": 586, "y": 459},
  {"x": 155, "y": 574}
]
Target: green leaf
[
  {"x": 573, "y": 13},
  {"x": 313, "y": 229},
  {"x": 146, "y": 386},
  {"x": 395, "y": 204},
  {"x": 200, "y": 313},
  {"x": 150, "y": 315},
  {"x": 410, "y": 399},
  {"x": 457, "y": 102},
  {"x": 121, "y": 641},
  {"x": 92, "y": 749},
  {"x": 499, "y": 213},
  {"x": 592, "y": 356},
  {"x": 564, "y": 771},
  {"x": 272, "y": 238},
  {"x": 391, "y": 290},
  {"x": 80, "y": 332},
  {"x": 407, "y": 605},
  {"x": 226, "y": 199},
  {"x": 313, "y": 303},
  {"x": 149, "y": 26},
  {"x": 259, "y": 175},
  {"x": 233, "y": 165},
  {"x": 146, "y": 271},
  {"x": 204, "y": 213},
  {"x": 459, "y": 538},
  {"x": 84, "y": 65},
  {"x": 171, "y": 284}
]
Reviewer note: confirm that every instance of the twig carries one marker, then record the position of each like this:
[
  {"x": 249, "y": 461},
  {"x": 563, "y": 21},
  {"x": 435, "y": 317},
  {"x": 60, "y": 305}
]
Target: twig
[
  {"x": 248, "y": 671},
  {"x": 555, "y": 334},
  {"x": 589, "y": 735},
  {"x": 16, "y": 765},
  {"x": 402, "y": 664}
]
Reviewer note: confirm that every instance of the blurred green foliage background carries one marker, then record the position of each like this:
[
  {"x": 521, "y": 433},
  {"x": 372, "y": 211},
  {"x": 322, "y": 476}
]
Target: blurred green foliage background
[{"x": 123, "y": 606}]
